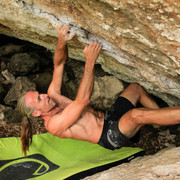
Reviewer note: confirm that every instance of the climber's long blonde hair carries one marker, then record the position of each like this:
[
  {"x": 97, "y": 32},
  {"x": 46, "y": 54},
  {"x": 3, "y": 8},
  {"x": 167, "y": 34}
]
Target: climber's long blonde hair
[{"x": 26, "y": 131}]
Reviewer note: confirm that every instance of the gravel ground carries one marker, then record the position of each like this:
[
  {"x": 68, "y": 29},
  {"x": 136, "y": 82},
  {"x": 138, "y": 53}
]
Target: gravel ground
[
  {"x": 14, "y": 130},
  {"x": 150, "y": 139}
]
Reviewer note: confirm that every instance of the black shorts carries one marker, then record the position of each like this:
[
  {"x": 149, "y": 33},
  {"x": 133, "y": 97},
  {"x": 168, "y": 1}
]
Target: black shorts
[{"x": 111, "y": 137}]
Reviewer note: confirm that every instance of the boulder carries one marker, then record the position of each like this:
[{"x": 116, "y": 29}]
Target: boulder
[
  {"x": 140, "y": 38},
  {"x": 163, "y": 165},
  {"x": 23, "y": 64},
  {"x": 9, "y": 115},
  {"x": 2, "y": 79},
  {"x": 106, "y": 87},
  {"x": 8, "y": 77},
  {"x": 21, "y": 86},
  {"x": 2, "y": 92},
  {"x": 42, "y": 81},
  {"x": 106, "y": 90},
  {"x": 9, "y": 49}
]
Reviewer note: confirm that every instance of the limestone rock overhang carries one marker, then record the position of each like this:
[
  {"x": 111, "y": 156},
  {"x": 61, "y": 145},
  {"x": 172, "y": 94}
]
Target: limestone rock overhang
[{"x": 140, "y": 38}]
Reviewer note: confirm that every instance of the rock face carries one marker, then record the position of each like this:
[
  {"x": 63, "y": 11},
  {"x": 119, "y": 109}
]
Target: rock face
[
  {"x": 26, "y": 64},
  {"x": 140, "y": 44},
  {"x": 140, "y": 38},
  {"x": 8, "y": 115},
  {"x": 163, "y": 165},
  {"x": 22, "y": 85}
]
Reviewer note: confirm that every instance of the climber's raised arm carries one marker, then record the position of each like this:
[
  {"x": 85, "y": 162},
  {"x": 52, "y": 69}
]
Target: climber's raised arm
[{"x": 60, "y": 57}]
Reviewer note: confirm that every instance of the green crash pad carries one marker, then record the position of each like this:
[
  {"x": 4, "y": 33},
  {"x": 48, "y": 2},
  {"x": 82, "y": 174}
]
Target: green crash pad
[{"x": 54, "y": 158}]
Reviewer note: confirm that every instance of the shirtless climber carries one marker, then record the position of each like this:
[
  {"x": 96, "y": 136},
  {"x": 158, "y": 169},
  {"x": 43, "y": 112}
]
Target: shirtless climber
[{"x": 75, "y": 119}]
